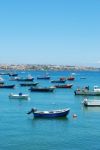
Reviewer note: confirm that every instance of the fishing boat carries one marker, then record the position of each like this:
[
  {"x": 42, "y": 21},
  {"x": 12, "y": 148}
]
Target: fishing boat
[
  {"x": 25, "y": 79},
  {"x": 58, "y": 81},
  {"x": 50, "y": 114},
  {"x": 63, "y": 86},
  {"x": 29, "y": 84},
  {"x": 44, "y": 77},
  {"x": 18, "y": 96},
  {"x": 7, "y": 86},
  {"x": 13, "y": 74},
  {"x": 28, "y": 78},
  {"x": 91, "y": 103},
  {"x": 42, "y": 89},
  {"x": 85, "y": 91},
  {"x": 71, "y": 78}
]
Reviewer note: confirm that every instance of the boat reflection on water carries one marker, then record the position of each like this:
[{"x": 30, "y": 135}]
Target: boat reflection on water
[{"x": 56, "y": 118}]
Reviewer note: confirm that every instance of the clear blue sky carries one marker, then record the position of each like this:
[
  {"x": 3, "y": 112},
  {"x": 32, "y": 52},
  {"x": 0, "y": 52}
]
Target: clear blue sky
[{"x": 65, "y": 32}]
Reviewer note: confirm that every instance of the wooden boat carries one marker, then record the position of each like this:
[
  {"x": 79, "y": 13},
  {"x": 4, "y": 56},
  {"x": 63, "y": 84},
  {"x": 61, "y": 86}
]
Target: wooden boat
[
  {"x": 44, "y": 77},
  {"x": 42, "y": 89},
  {"x": 25, "y": 79},
  {"x": 29, "y": 84},
  {"x": 91, "y": 103},
  {"x": 13, "y": 74},
  {"x": 87, "y": 92},
  {"x": 63, "y": 86},
  {"x": 18, "y": 96},
  {"x": 71, "y": 78},
  {"x": 58, "y": 81},
  {"x": 50, "y": 114},
  {"x": 7, "y": 86}
]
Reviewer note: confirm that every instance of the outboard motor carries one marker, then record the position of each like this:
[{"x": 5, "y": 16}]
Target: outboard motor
[{"x": 32, "y": 111}]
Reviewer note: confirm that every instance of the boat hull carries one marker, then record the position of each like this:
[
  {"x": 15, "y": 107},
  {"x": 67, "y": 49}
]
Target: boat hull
[
  {"x": 7, "y": 86},
  {"x": 91, "y": 103},
  {"x": 41, "y": 89},
  {"x": 18, "y": 96},
  {"x": 51, "y": 114},
  {"x": 25, "y": 79},
  {"x": 87, "y": 93},
  {"x": 63, "y": 86},
  {"x": 43, "y": 78},
  {"x": 28, "y": 84},
  {"x": 58, "y": 81}
]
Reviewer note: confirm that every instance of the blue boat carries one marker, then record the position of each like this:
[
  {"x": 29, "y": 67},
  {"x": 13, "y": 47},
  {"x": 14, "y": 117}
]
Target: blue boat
[
  {"x": 44, "y": 77},
  {"x": 50, "y": 114},
  {"x": 7, "y": 86}
]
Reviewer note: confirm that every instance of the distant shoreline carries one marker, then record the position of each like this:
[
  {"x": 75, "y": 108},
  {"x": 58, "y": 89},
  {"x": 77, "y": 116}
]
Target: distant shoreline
[{"x": 46, "y": 67}]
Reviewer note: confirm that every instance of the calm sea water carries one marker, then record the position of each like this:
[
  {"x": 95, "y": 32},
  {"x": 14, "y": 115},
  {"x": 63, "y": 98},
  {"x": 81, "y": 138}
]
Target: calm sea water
[{"x": 19, "y": 131}]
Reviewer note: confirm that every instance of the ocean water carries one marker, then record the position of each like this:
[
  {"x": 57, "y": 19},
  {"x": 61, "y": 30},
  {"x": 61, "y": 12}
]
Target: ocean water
[{"x": 20, "y": 131}]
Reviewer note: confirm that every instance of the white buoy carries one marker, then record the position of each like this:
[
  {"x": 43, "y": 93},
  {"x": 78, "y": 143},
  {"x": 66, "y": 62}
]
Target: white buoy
[{"x": 74, "y": 116}]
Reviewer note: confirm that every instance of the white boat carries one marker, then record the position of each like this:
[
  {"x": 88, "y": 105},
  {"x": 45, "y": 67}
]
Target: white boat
[
  {"x": 96, "y": 88},
  {"x": 91, "y": 103},
  {"x": 18, "y": 96}
]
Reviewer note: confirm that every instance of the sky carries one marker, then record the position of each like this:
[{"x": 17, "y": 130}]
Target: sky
[{"x": 59, "y": 32}]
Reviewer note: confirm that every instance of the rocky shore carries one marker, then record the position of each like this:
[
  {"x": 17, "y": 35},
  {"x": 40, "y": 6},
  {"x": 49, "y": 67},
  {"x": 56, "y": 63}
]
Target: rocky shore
[{"x": 44, "y": 67}]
